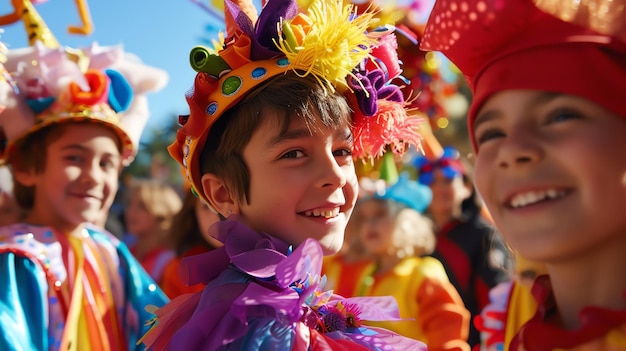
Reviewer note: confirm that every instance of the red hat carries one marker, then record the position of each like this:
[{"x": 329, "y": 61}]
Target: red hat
[{"x": 576, "y": 48}]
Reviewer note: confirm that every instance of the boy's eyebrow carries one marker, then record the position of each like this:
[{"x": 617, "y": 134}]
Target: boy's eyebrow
[
  {"x": 75, "y": 147},
  {"x": 490, "y": 115},
  {"x": 485, "y": 117},
  {"x": 345, "y": 134},
  {"x": 84, "y": 149},
  {"x": 289, "y": 135}
]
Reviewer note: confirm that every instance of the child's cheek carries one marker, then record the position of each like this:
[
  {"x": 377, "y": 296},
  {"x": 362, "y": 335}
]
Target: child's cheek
[{"x": 351, "y": 190}]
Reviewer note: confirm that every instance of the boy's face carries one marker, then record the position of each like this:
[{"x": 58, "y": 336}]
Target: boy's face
[
  {"x": 552, "y": 172},
  {"x": 301, "y": 185},
  {"x": 80, "y": 178}
]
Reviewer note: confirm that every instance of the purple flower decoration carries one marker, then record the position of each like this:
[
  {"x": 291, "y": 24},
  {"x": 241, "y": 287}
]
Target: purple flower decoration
[
  {"x": 305, "y": 261},
  {"x": 334, "y": 320},
  {"x": 265, "y": 31},
  {"x": 373, "y": 87}
]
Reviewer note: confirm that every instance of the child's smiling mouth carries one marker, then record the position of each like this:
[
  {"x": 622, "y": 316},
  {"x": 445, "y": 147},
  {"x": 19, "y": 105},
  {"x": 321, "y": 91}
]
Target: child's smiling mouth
[
  {"x": 322, "y": 212},
  {"x": 528, "y": 198}
]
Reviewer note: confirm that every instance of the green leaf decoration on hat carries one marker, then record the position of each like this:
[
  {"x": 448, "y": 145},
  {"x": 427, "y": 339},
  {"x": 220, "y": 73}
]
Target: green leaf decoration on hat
[
  {"x": 388, "y": 170},
  {"x": 203, "y": 60}
]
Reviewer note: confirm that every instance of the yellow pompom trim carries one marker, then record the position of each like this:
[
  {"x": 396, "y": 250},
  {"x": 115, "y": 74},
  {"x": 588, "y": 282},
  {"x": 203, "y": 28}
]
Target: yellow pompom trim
[{"x": 328, "y": 42}]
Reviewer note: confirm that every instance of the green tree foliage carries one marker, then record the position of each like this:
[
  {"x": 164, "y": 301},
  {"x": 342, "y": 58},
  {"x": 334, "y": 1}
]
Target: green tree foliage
[{"x": 153, "y": 159}]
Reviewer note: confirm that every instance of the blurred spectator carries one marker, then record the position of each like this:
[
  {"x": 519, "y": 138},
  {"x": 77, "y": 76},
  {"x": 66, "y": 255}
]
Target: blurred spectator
[
  {"x": 394, "y": 237},
  {"x": 190, "y": 232},
  {"x": 473, "y": 253},
  {"x": 148, "y": 213}
]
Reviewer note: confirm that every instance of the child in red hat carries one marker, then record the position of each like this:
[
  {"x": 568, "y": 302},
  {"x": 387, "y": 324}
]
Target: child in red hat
[{"x": 548, "y": 124}]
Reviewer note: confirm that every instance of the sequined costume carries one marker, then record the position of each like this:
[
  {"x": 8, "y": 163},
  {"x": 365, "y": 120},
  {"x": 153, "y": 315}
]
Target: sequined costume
[{"x": 60, "y": 284}]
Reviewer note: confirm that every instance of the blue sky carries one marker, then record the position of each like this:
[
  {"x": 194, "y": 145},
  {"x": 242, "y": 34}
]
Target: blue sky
[{"x": 160, "y": 32}]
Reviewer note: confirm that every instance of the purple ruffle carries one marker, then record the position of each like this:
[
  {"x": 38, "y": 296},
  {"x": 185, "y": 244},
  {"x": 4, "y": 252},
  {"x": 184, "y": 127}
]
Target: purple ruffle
[{"x": 256, "y": 276}]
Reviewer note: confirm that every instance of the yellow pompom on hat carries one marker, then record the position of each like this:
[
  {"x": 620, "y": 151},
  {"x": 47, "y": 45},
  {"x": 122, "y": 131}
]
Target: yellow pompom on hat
[{"x": 346, "y": 51}]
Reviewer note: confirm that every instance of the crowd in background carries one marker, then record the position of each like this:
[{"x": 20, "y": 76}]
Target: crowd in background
[
  {"x": 420, "y": 231},
  {"x": 427, "y": 242}
]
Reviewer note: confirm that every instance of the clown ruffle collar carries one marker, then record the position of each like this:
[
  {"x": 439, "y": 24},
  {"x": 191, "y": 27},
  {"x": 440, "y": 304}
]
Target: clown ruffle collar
[{"x": 256, "y": 275}]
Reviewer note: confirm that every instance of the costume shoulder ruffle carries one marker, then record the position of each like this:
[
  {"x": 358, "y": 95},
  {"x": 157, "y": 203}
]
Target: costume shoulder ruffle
[{"x": 261, "y": 292}]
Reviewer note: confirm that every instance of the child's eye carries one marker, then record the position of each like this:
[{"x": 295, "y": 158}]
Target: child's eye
[
  {"x": 107, "y": 164},
  {"x": 487, "y": 135},
  {"x": 293, "y": 154},
  {"x": 343, "y": 152},
  {"x": 562, "y": 114},
  {"x": 73, "y": 158}
]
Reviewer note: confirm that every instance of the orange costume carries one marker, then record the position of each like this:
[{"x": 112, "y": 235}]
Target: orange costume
[{"x": 433, "y": 309}]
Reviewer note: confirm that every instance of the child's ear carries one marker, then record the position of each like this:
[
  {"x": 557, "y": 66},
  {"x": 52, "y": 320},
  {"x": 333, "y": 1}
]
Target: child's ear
[
  {"x": 218, "y": 195},
  {"x": 25, "y": 177}
]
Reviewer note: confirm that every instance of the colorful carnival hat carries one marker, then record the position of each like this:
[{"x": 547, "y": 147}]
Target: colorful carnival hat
[
  {"x": 561, "y": 46},
  {"x": 449, "y": 163},
  {"x": 45, "y": 85},
  {"x": 344, "y": 50}
]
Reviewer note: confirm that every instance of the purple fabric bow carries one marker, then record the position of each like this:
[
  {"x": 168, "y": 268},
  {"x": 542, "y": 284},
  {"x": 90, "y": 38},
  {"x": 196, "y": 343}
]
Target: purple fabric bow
[
  {"x": 265, "y": 31},
  {"x": 253, "y": 276},
  {"x": 256, "y": 254},
  {"x": 373, "y": 87}
]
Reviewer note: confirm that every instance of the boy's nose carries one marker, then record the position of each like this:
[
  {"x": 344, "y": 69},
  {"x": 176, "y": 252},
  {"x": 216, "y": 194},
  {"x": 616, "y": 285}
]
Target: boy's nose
[
  {"x": 519, "y": 148},
  {"x": 332, "y": 173},
  {"x": 91, "y": 173}
]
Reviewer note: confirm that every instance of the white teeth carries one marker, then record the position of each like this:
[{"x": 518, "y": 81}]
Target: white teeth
[
  {"x": 531, "y": 197},
  {"x": 323, "y": 212}
]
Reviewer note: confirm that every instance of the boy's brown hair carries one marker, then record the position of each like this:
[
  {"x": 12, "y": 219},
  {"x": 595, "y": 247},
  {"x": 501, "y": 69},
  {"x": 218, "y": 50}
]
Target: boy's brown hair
[
  {"x": 282, "y": 98},
  {"x": 358, "y": 61}
]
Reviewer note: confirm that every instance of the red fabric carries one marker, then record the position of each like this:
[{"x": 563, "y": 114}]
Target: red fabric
[
  {"x": 514, "y": 45},
  {"x": 482, "y": 292},
  {"x": 320, "y": 342},
  {"x": 540, "y": 334},
  {"x": 153, "y": 261}
]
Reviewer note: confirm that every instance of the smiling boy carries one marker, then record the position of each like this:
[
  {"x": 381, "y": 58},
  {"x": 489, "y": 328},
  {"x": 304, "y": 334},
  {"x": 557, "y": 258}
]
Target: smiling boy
[
  {"x": 68, "y": 285},
  {"x": 274, "y": 125}
]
